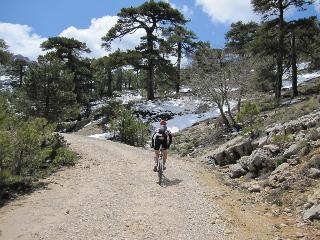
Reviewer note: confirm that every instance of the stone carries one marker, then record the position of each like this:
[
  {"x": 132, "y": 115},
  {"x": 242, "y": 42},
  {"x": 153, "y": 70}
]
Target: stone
[
  {"x": 292, "y": 150},
  {"x": 314, "y": 173},
  {"x": 255, "y": 188},
  {"x": 236, "y": 171},
  {"x": 281, "y": 168},
  {"x": 260, "y": 142},
  {"x": 231, "y": 151},
  {"x": 272, "y": 148},
  {"x": 250, "y": 175},
  {"x": 293, "y": 162},
  {"x": 312, "y": 213}
]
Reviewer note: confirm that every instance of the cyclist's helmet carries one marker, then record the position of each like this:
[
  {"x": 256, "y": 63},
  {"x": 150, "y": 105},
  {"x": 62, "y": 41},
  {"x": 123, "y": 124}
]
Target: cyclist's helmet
[{"x": 163, "y": 122}]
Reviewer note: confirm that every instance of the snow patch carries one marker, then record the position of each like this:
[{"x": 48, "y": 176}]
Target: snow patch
[
  {"x": 302, "y": 78},
  {"x": 102, "y": 136}
]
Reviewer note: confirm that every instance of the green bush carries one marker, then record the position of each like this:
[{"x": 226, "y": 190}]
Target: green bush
[
  {"x": 65, "y": 157},
  {"x": 282, "y": 138},
  {"x": 248, "y": 117},
  {"x": 128, "y": 129},
  {"x": 29, "y": 148}
]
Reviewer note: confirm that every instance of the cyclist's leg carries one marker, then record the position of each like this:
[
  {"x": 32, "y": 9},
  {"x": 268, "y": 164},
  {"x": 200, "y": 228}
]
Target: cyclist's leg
[
  {"x": 156, "y": 151},
  {"x": 165, "y": 154}
]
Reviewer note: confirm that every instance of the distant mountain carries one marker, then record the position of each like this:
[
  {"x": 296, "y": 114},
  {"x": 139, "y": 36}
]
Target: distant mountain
[{"x": 20, "y": 57}]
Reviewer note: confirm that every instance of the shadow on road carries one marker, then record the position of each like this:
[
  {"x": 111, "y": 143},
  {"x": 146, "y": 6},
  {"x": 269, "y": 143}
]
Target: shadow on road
[{"x": 168, "y": 183}]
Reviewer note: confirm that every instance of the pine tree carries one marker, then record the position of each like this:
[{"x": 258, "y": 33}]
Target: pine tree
[
  {"x": 277, "y": 8},
  {"x": 49, "y": 87},
  {"x": 302, "y": 33},
  {"x": 70, "y": 50},
  {"x": 181, "y": 42},
  {"x": 5, "y": 55},
  {"x": 239, "y": 37},
  {"x": 152, "y": 17}
]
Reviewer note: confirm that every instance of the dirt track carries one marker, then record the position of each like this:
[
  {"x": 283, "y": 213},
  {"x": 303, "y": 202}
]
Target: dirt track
[{"x": 112, "y": 194}]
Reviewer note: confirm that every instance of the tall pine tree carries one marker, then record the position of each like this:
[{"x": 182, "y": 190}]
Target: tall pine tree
[
  {"x": 277, "y": 8},
  {"x": 152, "y": 17}
]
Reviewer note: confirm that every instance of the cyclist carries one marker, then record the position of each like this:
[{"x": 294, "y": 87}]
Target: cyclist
[{"x": 161, "y": 138}]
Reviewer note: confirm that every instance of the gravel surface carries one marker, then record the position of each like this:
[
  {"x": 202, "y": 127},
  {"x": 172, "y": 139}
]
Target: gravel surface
[{"x": 112, "y": 193}]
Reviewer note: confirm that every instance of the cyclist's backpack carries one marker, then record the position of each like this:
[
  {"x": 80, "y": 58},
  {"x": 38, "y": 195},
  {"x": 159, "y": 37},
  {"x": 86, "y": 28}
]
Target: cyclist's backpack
[{"x": 161, "y": 133}]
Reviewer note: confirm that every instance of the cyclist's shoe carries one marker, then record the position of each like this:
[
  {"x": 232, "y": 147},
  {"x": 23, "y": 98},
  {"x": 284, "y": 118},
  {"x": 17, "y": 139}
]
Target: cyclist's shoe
[
  {"x": 164, "y": 167},
  {"x": 155, "y": 168}
]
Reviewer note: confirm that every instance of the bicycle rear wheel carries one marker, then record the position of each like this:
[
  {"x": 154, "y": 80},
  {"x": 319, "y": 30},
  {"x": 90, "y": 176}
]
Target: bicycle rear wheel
[{"x": 160, "y": 170}]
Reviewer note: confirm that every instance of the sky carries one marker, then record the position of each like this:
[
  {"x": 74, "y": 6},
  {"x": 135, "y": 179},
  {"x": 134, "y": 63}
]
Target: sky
[{"x": 25, "y": 24}]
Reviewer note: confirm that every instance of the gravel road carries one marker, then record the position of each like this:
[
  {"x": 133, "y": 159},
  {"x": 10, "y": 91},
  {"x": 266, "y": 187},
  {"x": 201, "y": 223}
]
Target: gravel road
[{"x": 112, "y": 193}]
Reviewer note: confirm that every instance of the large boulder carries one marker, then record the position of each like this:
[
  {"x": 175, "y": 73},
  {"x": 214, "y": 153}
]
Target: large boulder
[
  {"x": 272, "y": 148},
  {"x": 236, "y": 171},
  {"x": 231, "y": 151},
  {"x": 258, "y": 160},
  {"x": 293, "y": 150},
  {"x": 314, "y": 173},
  {"x": 312, "y": 213},
  {"x": 293, "y": 126}
]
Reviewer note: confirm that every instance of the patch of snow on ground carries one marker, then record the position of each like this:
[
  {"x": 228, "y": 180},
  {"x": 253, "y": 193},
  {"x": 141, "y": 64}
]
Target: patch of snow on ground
[
  {"x": 301, "y": 79},
  {"x": 291, "y": 101},
  {"x": 102, "y": 136},
  {"x": 185, "y": 89},
  {"x": 176, "y": 106},
  {"x": 303, "y": 65},
  {"x": 129, "y": 96},
  {"x": 180, "y": 122},
  {"x": 5, "y": 83}
]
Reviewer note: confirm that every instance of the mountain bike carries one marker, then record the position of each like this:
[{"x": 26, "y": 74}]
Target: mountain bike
[{"x": 160, "y": 167}]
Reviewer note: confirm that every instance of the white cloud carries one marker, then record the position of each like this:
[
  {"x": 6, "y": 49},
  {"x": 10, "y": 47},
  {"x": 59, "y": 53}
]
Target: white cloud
[
  {"x": 228, "y": 11},
  {"x": 21, "y": 39},
  {"x": 185, "y": 9},
  {"x": 317, "y": 5},
  {"x": 97, "y": 29}
]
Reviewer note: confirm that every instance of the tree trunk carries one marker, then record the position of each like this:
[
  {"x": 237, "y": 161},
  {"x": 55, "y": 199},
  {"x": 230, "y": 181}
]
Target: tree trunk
[
  {"x": 109, "y": 83},
  {"x": 280, "y": 51},
  {"x": 294, "y": 66},
  {"x": 179, "y": 67},
  {"x": 20, "y": 75},
  {"x": 224, "y": 117},
  {"x": 137, "y": 82},
  {"x": 119, "y": 80},
  {"x": 129, "y": 82},
  {"x": 150, "y": 75}
]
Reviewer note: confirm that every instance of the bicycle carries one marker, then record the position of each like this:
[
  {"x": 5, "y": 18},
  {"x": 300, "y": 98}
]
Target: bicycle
[{"x": 160, "y": 167}]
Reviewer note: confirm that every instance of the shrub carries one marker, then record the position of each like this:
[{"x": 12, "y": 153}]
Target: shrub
[
  {"x": 249, "y": 118},
  {"x": 28, "y": 148},
  {"x": 65, "y": 157},
  {"x": 128, "y": 129},
  {"x": 282, "y": 138}
]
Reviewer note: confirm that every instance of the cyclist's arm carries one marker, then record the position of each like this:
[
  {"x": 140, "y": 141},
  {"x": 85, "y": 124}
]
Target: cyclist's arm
[
  {"x": 170, "y": 138},
  {"x": 152, "y": 140}
]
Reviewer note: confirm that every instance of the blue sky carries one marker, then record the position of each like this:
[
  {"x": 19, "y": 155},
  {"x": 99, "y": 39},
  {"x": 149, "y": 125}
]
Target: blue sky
[{"x": 24, "y": 24}]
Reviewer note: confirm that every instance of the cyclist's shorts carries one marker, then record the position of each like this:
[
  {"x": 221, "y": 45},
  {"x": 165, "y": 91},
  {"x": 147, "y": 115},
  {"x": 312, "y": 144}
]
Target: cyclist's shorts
[{"x": 160, "y": 143}]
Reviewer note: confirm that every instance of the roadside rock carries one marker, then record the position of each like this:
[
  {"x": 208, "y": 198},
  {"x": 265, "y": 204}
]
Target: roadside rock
[
  {"x": 231, "y": 151},
  {"x": 281, "y": 168},
  {"x": 292, "y": 150},
  {"x": 314, "y": 173},
  {"x": 255, "y": 188},
  {"x": 260, "y": 142},
  {"x": 293, "y": 126},
  {"x": 312, "y": 213},
  {"x": 272, "y": 148},
  {"x": 236, "y": 171},
  {"x": 258, "y": 160}
]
